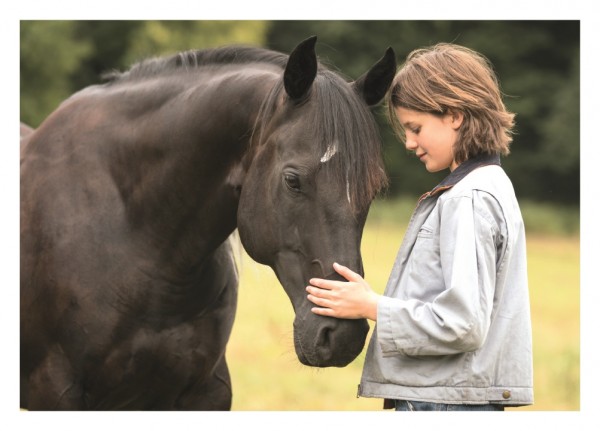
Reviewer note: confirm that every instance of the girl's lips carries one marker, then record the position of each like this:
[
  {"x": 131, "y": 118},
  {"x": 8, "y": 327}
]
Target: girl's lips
[{"x": 420, "y": 156}]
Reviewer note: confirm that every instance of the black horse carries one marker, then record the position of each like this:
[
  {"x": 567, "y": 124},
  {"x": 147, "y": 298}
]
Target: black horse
[
  {"x": 129, "y": 192},
  {"x": 24, "y": 131}
]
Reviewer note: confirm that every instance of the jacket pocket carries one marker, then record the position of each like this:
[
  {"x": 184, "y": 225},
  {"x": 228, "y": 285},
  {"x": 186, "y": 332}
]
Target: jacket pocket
[{"x": 425, "y": 232}]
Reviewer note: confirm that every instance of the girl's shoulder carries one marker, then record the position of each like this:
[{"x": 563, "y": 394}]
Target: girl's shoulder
[
  {"x": 491, "y": 193},
  {"x": 491, "y": 179}
]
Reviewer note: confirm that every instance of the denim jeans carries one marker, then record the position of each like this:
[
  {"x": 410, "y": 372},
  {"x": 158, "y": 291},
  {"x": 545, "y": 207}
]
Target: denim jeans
[{"x": 414, "y": 406}]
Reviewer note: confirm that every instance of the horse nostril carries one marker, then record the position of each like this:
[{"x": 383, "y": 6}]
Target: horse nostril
[{"x": 325, "y": 337}]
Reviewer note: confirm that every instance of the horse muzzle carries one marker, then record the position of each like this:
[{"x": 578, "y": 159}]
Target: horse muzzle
[{"x": 322, "y": 341}]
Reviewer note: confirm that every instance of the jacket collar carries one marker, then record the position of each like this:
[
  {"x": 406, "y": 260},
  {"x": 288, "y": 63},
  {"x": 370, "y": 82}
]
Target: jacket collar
[{"x": 462, "y": 171}]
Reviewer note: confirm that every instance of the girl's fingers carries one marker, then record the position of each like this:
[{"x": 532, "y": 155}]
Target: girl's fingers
[
  {"x": 317, "y": 301},
  {"x": 323, "y": 306},
  {"x": 346, "y": 272},
  {"x": 325, "y": 284},
  {"x": 316, "y": 292},
  {"x": 323, "y": 311}
]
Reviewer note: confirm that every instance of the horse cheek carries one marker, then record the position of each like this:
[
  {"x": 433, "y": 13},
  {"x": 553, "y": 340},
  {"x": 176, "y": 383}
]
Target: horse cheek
[{"x": 255, "y": 224}]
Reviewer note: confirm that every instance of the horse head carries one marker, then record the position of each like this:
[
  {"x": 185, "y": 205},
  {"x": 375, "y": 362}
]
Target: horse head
[{"x": 316, "y": 166}]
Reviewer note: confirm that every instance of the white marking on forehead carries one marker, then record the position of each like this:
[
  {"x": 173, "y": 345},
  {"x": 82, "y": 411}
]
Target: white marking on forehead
[
  {"x": 331, "y": 151},
  {"x": 348, "y": 188}
]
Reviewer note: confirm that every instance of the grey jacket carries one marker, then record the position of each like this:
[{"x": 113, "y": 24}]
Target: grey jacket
[{"x": 454, "y": 323}]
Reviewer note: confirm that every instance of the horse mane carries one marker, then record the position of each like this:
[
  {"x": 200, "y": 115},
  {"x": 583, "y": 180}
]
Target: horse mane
[{"x": 234, "y": 54}]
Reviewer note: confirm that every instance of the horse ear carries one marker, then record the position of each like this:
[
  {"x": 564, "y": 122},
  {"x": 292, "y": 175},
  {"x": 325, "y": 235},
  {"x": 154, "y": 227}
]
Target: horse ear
[
  {"x": 373, "y": 85},
  {"x": 301, "y": 69}
]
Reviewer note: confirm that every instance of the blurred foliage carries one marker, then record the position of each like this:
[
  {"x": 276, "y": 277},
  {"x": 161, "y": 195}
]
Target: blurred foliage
[
  {"x": 50, "y": 54},
  {"x": 537, "y": 63},
  {"x": 153, "y": 38}
]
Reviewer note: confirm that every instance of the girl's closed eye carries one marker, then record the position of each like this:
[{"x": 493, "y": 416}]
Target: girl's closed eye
[{"x": 412, "y": 128}]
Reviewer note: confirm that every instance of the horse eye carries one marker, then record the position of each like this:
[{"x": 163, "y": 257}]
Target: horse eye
[{"x": 292, "y": 181}]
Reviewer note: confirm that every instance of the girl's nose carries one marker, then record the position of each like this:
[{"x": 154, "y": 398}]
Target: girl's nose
[{"x": 410, "y": 144}]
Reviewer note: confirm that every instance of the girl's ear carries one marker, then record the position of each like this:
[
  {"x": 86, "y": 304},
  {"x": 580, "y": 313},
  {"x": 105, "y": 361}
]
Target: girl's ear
[{"x": 457, "y": 119}]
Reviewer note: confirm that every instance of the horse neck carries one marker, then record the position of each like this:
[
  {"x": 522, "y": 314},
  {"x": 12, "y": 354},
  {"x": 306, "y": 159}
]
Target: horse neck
[{"x": 180, "y": 169}]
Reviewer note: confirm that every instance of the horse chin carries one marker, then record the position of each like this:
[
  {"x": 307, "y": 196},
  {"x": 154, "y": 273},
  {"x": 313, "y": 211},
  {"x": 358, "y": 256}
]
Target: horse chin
[{"x": 326, "y": 341}]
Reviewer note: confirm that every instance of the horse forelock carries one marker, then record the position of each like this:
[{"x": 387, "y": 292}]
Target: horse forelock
[{"x": 344, "y": 124}]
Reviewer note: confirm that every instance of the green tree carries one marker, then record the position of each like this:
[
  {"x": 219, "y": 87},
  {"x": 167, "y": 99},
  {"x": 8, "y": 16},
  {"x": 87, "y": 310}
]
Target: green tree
[
  {"x": 50, "y": 56},
  {"x": 155, "y": 38},
  {"x": 110, "y": 41}
]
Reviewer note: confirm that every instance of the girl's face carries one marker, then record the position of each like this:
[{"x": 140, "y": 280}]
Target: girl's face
[{"x": 431, "y": 137}]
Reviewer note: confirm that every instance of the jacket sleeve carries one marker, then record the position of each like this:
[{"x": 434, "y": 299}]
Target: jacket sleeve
[{"x": 457, "y": 318}]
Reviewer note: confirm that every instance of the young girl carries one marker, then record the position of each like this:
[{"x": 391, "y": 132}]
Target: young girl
[{"x": 453, "y": 326}]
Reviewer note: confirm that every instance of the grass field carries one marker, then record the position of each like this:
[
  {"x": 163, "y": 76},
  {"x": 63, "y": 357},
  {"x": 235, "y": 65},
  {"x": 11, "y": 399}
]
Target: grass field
[{"x": 267, "y": 376}]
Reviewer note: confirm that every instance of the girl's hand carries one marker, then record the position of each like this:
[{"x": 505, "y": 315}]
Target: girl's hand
[{"x": 353, "y": 299}]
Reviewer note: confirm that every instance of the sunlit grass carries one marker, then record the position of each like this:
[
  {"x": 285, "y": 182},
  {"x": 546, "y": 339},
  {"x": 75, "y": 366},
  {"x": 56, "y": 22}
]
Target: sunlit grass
[
  {"x": 266, "y": 374},
  {"x": 554, "y": 289}
]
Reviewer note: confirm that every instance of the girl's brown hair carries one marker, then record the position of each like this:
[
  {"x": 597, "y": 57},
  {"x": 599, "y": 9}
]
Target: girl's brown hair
[{"x": 448, "y": 78}]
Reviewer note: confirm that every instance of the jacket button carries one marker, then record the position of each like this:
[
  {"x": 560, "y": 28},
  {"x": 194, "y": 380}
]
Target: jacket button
[{"x": 506, "y": 394}]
